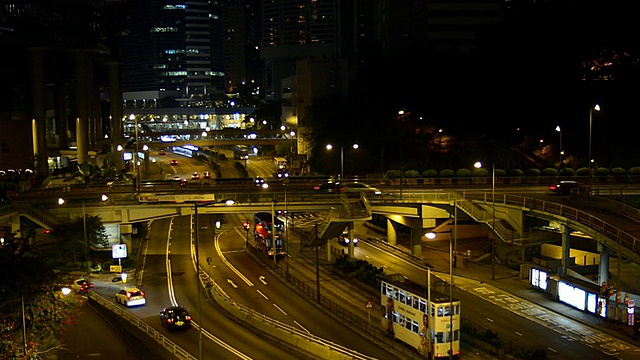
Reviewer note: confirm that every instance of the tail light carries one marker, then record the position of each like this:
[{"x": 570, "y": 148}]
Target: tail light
[
  {"x": 170, "y": 320},
  {"x": 188, "y": 317}
]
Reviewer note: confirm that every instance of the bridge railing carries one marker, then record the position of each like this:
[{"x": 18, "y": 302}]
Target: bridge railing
[{"x": 624, "y": 239}]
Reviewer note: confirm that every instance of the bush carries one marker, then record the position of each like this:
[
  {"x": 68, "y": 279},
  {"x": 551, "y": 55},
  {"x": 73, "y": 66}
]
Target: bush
[
  {"x": 412, "y": 174},
  {"x": 618, "y": 171},
  {"x": 515, "y": 172},
  {"x": 394, "y": 174},
  {"x": 549, "y": 172},
  {"x": 481, "y": 172},
  {"x": 583, "y": 171},
  {"x": 500, "y": 172},
  {"x": 431, "y": 173},
  {"x": 533, "y": 172},
  {"x": 567, "y": 172},
  {"x": 446, "y": 173},
  {"x": 601, "y": 171},
  {"x": 634, "y": 171},
  {"x": 463, "y": 173}
]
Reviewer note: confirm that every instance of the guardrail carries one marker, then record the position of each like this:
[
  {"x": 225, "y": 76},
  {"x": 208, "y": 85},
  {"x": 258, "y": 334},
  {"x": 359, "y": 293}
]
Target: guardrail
[{"x": 153, "y": 334}]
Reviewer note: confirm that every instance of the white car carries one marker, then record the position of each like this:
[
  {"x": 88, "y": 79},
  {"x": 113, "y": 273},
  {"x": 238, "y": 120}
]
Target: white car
[
  {"x": 362, "y": 187},
  {"x": 131, "y": 297}
]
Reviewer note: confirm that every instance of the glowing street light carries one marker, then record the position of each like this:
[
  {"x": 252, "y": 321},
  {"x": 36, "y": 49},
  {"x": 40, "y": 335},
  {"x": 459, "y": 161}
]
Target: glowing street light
[
  {"x": 330, "y": 147},
  {"x": 596, "y": 108}
]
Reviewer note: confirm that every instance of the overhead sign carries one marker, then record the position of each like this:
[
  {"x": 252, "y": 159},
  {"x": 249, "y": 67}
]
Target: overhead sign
[{"x": 119, "y": 251}]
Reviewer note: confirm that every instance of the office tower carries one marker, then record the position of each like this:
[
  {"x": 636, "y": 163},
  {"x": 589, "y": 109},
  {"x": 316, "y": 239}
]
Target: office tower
[{"x": 173, "y": 54}]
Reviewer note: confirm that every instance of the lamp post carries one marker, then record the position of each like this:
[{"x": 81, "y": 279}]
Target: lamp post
[
  {"x": 316, "y": 243},
  {"x": 135, "y": 157},
  {"x": 196, "y": 244},
  {"x": 478, "y": 165},
  {"x": 330, "y": 147},
  {"x": 452, "y": 234},
  {"x": 292, "y": 134},
  {"x": 596, "y": 108},
  {"x": 85, "y": 237},
  {"x": 285, "y": 183},
  {"x": 559, "y": 130}
]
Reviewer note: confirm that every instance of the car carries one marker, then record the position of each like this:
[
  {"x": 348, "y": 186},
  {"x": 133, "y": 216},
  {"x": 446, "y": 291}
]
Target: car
[
  {"x": 362, "y": 187},
  {"x": 329, "y": 187},
  {"x": 175, "y": 318},
  {"x": 174, "y": 162},
  {"x": 344, "y": 239},
  {"x": 131, "y": 296},
  {"x": 206, "y": 175},
  {"x": 260, "y": 182},
  {"x": 162, "y": 152},
  {"x": 176, "y": 177},
  {"x": 283, "y": 173},
  {"x": 184, "y": 182},
  {"x": 564, "y": 187},
  {"x": 81, "y": 286},
  {"x": 195, "y": 176}
]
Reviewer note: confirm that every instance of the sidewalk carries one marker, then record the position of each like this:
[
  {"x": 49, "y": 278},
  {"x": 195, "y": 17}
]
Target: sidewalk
[{"x": 480, "y": 268}]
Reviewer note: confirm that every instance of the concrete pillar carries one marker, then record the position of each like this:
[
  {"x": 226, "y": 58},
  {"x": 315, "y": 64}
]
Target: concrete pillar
[
  {"x": 603, "y": 269},
  {"x": 566, "y": 249},
  {"x": 416, "y": 241},
  {"x": 15, "y": 225},
  {"x": 351, "y": 234},
  {"x": 60, "y": 110},
  {"x": 82, "y": 94},
  {"x": 392, "y": 237},
  {"x": 39, "y": 113}
]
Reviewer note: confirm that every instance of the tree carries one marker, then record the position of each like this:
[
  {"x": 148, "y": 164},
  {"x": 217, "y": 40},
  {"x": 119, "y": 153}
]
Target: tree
[
  {"x": 30, "y": 277},
  {"x": 70, "y": 236}
]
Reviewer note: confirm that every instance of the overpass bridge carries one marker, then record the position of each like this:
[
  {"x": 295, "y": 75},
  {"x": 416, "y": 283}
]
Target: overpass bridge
[{"x": 512, "y": 219}]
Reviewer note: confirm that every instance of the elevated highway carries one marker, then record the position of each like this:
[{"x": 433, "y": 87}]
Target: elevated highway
[{"x": 419, "y": 210}]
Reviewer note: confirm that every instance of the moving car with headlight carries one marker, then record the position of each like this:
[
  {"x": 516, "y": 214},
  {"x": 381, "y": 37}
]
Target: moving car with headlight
[
  {"x": 344, "y": 239},
  {"x": 131, "y": 297},
  {"x": 81, "y": 286},
  {"x": 362, "y": 187},
  {"x": 175, "y": 317},
  {"x": 564, "y": 187}
]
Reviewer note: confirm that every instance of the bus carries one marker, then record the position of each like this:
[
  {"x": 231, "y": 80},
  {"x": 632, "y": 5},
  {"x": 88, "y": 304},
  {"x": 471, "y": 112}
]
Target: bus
[
  {"x": 280, "y": 163},
  {"x": 264, "y": 234},
  {"x": 424, "y": 324},
  {"x": 187, "y": 150}
]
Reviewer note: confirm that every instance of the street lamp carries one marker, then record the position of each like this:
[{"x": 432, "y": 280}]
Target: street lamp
[
  {"x": 228, "y": 202},
  {"x": 478, "y": 165},
  {"x": 85, "y": 238},
  {"x": 558, "y": 129},
  {"x": 452, "y": 234},
  {"x": 292, "y": 134},
  {"x": 330, "y": 147},
  {"x": 596, "y": 108},
  {"x": 285, "y": 183}
]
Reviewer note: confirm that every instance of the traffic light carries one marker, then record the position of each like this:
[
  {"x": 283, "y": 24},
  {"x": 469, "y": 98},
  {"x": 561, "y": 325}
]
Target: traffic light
[{"x": 245, "y": 225}]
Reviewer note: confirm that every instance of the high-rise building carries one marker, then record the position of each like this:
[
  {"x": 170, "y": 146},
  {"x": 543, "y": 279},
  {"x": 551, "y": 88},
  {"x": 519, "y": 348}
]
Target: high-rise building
[{"x": 173, "y": 53}]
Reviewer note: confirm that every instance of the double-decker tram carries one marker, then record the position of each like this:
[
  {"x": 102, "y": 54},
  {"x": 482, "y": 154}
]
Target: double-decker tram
[
  {"x": 428, "y": 321},
  {"x": 268, "y": 234}
]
